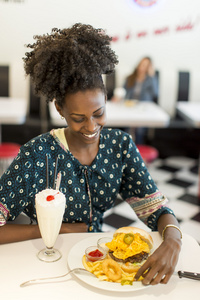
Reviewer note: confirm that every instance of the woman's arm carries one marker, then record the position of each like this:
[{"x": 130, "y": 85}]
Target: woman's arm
[
  {"x": 170, "y": 232},
  {"x": 161, "y": 264},
  {"x": 11, "y": 233},
  {"x": 73, "y": 228}
]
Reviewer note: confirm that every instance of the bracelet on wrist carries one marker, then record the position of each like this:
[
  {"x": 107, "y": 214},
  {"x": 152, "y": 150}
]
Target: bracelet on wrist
[{"x": 171, "y": 225}]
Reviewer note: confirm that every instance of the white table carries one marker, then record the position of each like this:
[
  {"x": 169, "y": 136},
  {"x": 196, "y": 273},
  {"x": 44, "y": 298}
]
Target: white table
[
  {"x": 190, "y": 111},
  {"x": 12, "y": 111},
  {"x": 18, "y": 263},
  {"x": 145, "y": 114}
]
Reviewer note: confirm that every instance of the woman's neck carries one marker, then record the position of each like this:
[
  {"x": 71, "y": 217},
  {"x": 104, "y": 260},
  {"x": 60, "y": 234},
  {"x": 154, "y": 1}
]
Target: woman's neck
[
  {"x": 84, "y": 153},
  {"x": 141, "y": 77}
]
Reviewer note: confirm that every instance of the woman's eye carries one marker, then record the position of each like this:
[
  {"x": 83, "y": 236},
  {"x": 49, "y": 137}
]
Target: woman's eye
[
  {"x": 78, "y": 120},
  {"x": 99, "y": 116}
]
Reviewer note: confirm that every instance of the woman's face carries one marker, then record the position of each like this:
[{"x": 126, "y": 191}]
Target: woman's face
[
  {"x": 85, "y": 113},
  {"x": 144, "y": 66}
]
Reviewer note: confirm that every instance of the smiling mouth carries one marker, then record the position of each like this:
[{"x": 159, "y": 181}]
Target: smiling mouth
[{"x": 90, "y": 136}]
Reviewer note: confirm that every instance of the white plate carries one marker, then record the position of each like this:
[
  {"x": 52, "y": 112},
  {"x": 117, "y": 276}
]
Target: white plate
[{"x": 75, "y": 261}]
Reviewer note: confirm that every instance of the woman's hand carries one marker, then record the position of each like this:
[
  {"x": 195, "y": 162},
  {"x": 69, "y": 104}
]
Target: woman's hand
[{"x": 161, "y": 264}]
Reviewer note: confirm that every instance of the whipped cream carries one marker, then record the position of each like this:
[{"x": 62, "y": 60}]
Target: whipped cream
[{"x": 43, "y": 198}]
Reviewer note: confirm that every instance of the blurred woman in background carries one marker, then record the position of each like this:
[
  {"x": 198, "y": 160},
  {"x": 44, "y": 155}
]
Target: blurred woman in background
[{"x": 142, "y": 85}]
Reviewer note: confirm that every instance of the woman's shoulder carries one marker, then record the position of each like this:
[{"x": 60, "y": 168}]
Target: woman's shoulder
[
  {"x": 41, "y": 140},
  {"x": 117, "y": 142},
  {"x": 113, "y": 132},
  {"x": 111, "y": 135}
]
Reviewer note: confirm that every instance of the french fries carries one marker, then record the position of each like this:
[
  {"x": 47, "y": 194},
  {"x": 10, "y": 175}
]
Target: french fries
[{"x": 97, "y": 269}]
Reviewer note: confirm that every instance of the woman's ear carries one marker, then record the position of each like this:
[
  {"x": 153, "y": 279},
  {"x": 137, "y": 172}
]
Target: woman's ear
[
  {"x": 106, "y": 98},
  {"x": 58, "y": 108}
]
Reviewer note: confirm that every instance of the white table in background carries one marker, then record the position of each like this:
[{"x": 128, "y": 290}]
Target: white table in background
[
  {"x": 19, "y": 263},
  {"x": 190, "y": 111},
  {"x": 145, "y": 114},
  {"x": 12, "y": 111}
]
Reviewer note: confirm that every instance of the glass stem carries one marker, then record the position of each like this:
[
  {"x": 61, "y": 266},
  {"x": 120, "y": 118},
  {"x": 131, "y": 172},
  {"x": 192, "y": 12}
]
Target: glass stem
[{"x": 49, "y": 251}]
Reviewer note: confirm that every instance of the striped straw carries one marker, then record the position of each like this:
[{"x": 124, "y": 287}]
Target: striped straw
[
  {"x": 55, "y": 173},
  {"x": 58, "y": 181}
]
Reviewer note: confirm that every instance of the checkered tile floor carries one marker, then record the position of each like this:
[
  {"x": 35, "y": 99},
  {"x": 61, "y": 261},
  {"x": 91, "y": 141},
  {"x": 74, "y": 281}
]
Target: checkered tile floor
[{"x": 177, "y": 178}]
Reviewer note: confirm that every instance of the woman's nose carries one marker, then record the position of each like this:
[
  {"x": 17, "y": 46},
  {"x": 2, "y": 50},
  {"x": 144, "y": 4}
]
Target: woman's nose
[{"x": 90, "y": 124}]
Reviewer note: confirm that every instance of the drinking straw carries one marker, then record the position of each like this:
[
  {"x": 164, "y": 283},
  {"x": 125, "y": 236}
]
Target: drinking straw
[
  {"x": 47, "y": 172},
  {"x": 58, "y": 181},
  {"x": 55, "y": 173}
]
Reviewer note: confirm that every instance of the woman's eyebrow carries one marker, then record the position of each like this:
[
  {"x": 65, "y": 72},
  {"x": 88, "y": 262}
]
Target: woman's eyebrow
[
  {"x": 98, "y": 109},
  {"x": 76, "y": 114},
  {"x": 83, "y": 114}
]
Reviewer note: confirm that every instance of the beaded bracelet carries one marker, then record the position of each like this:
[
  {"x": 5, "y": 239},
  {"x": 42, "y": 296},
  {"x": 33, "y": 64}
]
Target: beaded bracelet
[{"x": 171, "y": 225}]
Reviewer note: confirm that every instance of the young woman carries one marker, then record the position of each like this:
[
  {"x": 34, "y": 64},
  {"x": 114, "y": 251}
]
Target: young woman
[
  {"x": 96, "y": 163},
  {"x": 142, "y": 83}
]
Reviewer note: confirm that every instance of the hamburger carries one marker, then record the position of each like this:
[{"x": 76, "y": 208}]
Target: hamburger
[{"x": 130, "y": 247}]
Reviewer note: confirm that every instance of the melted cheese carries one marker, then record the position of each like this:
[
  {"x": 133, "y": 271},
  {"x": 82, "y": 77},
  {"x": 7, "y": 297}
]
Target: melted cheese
[{"x": 122, "y": 250}]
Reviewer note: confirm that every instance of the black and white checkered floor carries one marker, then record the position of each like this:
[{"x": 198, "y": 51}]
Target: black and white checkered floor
[{"x": 177, "y": 178}]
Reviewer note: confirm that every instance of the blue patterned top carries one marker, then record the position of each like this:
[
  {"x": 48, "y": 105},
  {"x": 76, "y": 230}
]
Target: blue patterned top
[{"x": 117, "y": 168}]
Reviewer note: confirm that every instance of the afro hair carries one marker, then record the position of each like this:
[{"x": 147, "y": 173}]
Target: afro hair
[{"x": 69, "y": 60}]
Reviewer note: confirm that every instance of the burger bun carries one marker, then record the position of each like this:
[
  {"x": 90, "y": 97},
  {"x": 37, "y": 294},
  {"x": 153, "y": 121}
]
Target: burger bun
[
  {"x": 145, "y": 236},
  {"x": 131, "y": 268}
]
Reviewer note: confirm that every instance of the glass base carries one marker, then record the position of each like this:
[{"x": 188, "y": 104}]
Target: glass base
[{"x": 49, "y": 255}]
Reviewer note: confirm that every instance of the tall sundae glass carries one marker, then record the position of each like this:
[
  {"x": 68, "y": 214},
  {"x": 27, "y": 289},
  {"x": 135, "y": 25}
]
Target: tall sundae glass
[{"x": 50, "y": 207}]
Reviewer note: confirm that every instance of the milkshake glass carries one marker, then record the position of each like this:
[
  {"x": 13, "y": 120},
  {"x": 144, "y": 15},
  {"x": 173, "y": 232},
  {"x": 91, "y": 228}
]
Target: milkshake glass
[{"x": 50, "y": 208}]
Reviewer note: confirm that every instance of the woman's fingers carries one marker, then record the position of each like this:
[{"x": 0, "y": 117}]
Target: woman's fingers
[
  {"x": 143, "y": 271},
  {"x": 154, "y": 276}
]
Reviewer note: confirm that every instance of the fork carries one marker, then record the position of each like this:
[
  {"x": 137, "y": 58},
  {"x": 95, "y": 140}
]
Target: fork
[{"x": 39, "y": 280}]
